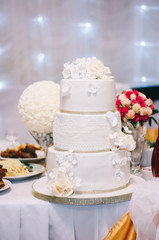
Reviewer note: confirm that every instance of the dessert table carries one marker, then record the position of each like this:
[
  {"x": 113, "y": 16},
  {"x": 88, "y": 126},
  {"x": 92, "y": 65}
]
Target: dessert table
[{"x": 25, "y": 217}]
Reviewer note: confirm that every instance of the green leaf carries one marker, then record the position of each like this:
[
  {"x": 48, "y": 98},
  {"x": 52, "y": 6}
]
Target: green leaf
[
  {"x": 150, "y": 121},
  {"x": 154, "y": 120},
  {"x": 155, "y": 111}
]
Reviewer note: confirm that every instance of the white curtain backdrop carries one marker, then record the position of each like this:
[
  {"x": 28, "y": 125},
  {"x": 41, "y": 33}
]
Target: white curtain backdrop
[{"x": 38, "y": 37}]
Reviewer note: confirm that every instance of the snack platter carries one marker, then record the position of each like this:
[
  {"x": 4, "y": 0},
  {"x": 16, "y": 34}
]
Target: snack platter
[{"x": 40, "y": 191}]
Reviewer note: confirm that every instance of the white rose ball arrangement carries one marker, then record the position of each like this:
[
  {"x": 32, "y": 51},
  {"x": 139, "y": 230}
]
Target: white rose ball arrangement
[{"x": 38, "y": 105}]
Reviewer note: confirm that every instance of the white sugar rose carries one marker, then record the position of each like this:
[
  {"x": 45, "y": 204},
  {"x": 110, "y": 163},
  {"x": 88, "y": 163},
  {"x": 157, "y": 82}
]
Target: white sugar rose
[
  {"x": 89, "y": 68},
  {"x": 60, "y": 184},
  {"x": 38, "y": 104}
]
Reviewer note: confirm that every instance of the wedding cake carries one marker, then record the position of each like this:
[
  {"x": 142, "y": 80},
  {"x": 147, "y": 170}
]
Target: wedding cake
[{"x": 90, "y": 154}]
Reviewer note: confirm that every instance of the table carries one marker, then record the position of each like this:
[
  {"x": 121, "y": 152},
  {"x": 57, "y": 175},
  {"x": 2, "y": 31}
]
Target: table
[{"x": 24, "y": 217}]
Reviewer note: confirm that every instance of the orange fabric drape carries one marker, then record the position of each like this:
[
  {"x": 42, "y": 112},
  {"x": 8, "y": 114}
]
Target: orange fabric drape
[{"x": 122, "y": 230}]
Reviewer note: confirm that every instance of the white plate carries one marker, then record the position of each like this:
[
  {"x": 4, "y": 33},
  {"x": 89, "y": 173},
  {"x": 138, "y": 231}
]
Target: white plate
[
  {"x": 7, "y": 185},
  {"x": 41, "y": 156},
  {"x": 37, "y": 169}
]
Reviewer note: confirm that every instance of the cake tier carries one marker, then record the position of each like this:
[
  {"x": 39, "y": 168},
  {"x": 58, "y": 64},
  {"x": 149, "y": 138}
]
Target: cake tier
[
  {"x": 85, "y": 132},
  {"x": 90, "y": 96},
  {"x": 96, "y": 172}
]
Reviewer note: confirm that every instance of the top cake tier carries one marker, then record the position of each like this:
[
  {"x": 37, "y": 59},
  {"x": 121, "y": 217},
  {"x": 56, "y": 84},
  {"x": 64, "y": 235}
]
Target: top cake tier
[
  {"x": 87, "y": 96},
  {"x": 87, "y": 87}
]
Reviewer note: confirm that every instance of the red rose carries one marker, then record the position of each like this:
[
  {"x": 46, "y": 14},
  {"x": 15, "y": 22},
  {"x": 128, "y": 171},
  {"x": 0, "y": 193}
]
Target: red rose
[
  {"x": 118, "y": 102},
  {"x": 135, "y": 92},
  {"x": 139, "y": 99},
  {"x": 121, "y": 111},
  {"x": 144, "y": 118},
  {"x": 128, "y": 93},
  {"x": 143, "y": 104},
  {"x": 152, "y": 107},
  {"x": 136, "y": 118},
  {"x": 125, "y": 110},
  {"x": 133, "y": 102}
]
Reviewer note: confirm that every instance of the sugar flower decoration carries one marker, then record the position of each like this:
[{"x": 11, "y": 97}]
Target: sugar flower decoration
[
  {"x": 122, "y": 141},
  {"x": 60, "y": 183},
  {"x": 38, "y": 104},
  {"x": 88, "y": 68}
]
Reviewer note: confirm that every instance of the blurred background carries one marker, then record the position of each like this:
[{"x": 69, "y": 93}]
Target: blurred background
[{"x": 38, "y": 37}]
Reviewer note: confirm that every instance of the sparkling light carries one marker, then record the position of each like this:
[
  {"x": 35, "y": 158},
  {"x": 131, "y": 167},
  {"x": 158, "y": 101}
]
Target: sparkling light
[
  {"x": 3, "y": 84},
  {"x": 143, "y": 44},
  {"x": 143, "y": 7},
  {"x": 143, "y": 79},
  {"x": 86, "y": 27},
  {"x": 41, "y": 57},
  {"x": 39, "y": 20}
]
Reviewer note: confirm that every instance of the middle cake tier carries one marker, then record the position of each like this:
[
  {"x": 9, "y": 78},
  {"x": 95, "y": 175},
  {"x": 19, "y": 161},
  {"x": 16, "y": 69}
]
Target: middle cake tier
[{"x": 85, "y": 132}]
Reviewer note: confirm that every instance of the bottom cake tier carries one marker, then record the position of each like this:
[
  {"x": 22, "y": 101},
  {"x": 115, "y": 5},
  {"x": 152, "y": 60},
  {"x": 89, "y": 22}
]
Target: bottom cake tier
[{"x": 91, "y": 172}]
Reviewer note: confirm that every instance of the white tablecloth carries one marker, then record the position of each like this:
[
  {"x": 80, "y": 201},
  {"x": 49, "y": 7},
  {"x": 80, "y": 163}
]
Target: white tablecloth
[{"x": 24, "y": 217}]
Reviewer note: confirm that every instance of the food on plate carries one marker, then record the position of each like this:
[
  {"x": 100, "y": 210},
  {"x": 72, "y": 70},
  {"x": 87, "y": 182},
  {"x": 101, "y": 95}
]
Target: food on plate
[
  {"x": 3, "y": 172},
  {"x": 22, "y": 151},
  {"x": 14, "y": 168}
]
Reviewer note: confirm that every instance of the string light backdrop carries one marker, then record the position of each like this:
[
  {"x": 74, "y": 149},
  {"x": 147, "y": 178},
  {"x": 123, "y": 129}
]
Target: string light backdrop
[{"x": 38, "y": 37}]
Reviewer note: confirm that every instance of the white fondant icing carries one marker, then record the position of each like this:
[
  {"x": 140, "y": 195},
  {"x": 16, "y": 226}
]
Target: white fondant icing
[
  {"x": 84, "y": 132},
  {"x": 87, "y": 96},
  {"x": 95, "y": 171}
]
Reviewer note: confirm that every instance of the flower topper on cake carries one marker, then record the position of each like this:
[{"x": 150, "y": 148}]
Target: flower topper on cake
[
  {"x": 38, "y": 104},
  {"x": 135, "y": 107},
  {"x": 88, "y": 68}
]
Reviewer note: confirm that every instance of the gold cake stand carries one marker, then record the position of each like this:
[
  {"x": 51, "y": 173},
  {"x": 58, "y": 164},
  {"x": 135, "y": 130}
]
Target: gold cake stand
[{"x": 40, "y": 191}]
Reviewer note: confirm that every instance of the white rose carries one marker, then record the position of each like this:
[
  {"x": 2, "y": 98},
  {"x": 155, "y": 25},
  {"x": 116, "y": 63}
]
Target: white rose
[
  {"x": 136, "y": 107},
  {"x": 125, "y": 102}
]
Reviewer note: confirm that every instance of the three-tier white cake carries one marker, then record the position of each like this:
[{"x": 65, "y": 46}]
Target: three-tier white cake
[{"x": 90, "y": 153}]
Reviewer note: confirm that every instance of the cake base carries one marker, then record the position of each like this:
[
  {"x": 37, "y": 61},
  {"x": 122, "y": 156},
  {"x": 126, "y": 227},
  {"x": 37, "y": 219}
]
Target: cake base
[{"x": 40, "y": 191}]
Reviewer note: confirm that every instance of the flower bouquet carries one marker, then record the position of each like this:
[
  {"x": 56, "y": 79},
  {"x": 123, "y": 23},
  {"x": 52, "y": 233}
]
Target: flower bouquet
[
  {"x": 135, "y": 107},
  {"x": 136, "y": 110}
]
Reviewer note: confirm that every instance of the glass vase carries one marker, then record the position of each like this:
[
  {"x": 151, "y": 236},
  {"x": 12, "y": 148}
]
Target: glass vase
[
  {"x": 138, "y": 134},
  {"x": 45, "y": 140}
]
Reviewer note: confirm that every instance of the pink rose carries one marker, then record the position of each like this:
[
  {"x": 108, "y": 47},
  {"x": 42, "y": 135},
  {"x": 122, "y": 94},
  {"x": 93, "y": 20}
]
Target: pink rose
[
  {"x": 118, "y": 102},
  {"x": 136, "y": 118},
  {"x": 130, "y": 114},
  {"x": 121, "y": 111},
  {"x": 143, "y": 104},
  {"x": 139, "y": 99},
  {"x": 152, "y": 107},
  {"x": 143, "y": 111},
  {"x": 136, "y": 107},
  {"x": 144, "y": 118},
  {"x": 125, "y": 110},
  {"x": 133, "y": 101},
  {"x": 128, "y": 93},
  {"x": 135, "y": 92}
]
